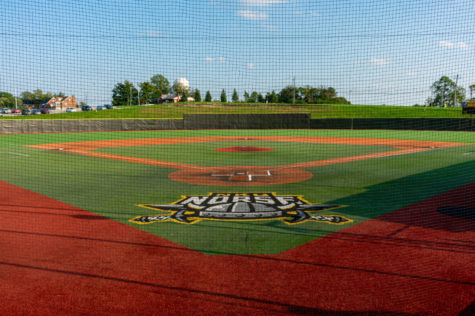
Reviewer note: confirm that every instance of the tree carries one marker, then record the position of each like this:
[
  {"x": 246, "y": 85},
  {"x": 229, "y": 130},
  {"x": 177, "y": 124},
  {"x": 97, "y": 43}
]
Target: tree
[
  {"x": 286, "y": 95},
  {"x": 223, "y": 96},
  {"x": 197, "y": 95},
  {"x": 260, "y": 98},
  {"x": 208, "y": 97},
  {"x": 246, "y": 96},
  {"x": 124, "y": 94},
  {"x": 235, "y": 96},
  {"x": 445, "y": 90},
  {"x": 180, "y": 89},
  {"x": 35, "y": 97},
  {"x": 148, "y": 92},
  {"x": 161, "y": 84},
  {"x": 255, "y": 97},
  {"x": 7, "y": 100},
  {"x": 184, "y": 96},
  {"x": 327, "y": 94},
  {"x": 472, "y": 89}
]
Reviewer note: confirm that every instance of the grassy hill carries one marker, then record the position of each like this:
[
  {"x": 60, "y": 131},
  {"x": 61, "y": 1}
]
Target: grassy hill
[{"x": 176, "y": 111}]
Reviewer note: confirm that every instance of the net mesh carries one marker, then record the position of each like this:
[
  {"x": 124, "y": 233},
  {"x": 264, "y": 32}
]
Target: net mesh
[{"x": 285, "y": 192}]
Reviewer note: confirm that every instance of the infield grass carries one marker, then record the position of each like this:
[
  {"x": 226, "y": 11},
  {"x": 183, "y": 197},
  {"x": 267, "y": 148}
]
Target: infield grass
[{"x": 205, "y": 154}]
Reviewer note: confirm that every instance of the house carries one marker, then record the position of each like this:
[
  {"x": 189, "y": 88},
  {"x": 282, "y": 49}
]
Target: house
[
  {"x": 167, "y": 98},
  {"x": 60, "y": 103}
]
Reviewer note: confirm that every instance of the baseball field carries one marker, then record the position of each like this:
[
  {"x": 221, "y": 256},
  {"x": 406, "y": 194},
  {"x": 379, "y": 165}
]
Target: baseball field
[{"x": 326, "y": 222}]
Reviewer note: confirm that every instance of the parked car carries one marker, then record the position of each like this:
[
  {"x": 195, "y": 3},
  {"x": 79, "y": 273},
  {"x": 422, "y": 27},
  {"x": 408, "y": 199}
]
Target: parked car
[
  {"x": 86, "y": 108},
  {"x": 25, "y": 112},
  {"x": 36, "y": 112},
  {"x": 108, "y": 106},
  {"x": 68, "y": 110},
  {"x": 45, "y": 111},
  {"x": 99, "y": 108},
  {"x": 15, "y": 111},
  {"x": 5, "y": 111}
]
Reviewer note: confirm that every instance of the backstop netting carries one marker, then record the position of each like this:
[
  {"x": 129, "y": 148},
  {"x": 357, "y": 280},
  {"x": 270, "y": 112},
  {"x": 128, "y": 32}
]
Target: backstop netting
[{"x": 237, "y": 157}]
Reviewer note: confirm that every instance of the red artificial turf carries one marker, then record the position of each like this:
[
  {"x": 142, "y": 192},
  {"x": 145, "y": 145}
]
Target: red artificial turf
[{"x": 58, "y": 259}]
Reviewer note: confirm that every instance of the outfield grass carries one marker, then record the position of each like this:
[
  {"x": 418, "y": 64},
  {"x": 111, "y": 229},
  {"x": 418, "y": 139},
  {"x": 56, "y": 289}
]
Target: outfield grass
[
  {"x": 114, "y": 189},
  {"x": 166, "y": 111}
]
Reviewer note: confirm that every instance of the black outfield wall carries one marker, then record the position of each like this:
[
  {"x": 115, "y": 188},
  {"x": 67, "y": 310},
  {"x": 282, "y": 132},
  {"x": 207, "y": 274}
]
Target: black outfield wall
[
  {"x": 423, "y": 124},
  {"x": 51, "y": 126},
  {"x": 233, "y": 121}
]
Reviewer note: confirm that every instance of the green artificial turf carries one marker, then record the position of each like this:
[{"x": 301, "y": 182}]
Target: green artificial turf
[
  {"x": 204, "y": 154},
  {"x": 114, "y": 189}
]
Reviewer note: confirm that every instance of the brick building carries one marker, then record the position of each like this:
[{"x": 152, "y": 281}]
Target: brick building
[{"x": 60, "y": 103}]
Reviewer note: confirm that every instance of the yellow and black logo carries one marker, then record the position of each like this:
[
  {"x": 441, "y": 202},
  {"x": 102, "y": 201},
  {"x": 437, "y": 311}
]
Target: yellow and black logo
[{"x": 290, "y": 209}]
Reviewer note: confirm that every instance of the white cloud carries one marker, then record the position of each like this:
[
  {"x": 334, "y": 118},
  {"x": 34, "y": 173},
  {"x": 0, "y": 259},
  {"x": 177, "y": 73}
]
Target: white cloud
[
  {"x": 313, "y": 13},
  {"x": 452, "y": 45},
  {"x": 463, "y": 46},
  {"x": 261, "y": 3},
  {"x": 250, "y": 66},
  {"x": 151, "y": 33},
  {"x": 379, "y": 61},
  {"x": 252, "y": 15},
  {"x": 446, "y": 44},
  {"x": 220, "y": 59}
]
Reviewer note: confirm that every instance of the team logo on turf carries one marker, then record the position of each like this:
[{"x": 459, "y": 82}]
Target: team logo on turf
[{"x": 290, "y": 209}]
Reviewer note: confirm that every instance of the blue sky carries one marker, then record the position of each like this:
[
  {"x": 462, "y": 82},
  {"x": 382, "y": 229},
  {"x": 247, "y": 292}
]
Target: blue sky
[{"x": 372, "y": 52}]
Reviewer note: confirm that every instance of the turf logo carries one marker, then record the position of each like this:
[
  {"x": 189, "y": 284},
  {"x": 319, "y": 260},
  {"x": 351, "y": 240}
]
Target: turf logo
[{"x": 290, "y": 209}]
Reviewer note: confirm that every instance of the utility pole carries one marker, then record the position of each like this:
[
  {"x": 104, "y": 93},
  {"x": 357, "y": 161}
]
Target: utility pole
[
  {"x": 130, "y": 96},
  {"x": 455, "y": 91},
  {"x": 293, "y": 100},
  {"x": 16, "y": 101}
]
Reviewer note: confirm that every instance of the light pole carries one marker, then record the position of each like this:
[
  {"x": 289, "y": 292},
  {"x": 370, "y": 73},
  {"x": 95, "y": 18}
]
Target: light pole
[
  {"x": 293, "y": 99},
  {"x": 455, "y": 90}
]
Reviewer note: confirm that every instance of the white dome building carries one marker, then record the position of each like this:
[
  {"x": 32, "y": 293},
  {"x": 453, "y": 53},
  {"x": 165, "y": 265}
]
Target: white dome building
[{"x": 181, "y": 85}]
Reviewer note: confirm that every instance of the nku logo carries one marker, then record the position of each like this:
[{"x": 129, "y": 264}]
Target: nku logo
[{"x": 290, "y": 209}]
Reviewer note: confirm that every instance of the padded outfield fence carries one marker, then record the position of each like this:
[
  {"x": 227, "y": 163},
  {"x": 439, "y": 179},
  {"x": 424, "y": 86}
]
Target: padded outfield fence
[{"x": 235, "y": 121}]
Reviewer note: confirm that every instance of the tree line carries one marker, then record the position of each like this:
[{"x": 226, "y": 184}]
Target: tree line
[
  {"x": 150, "y": 92},
  {"x": 446, "y": 93},
  {"x": 30, "y": 98}
]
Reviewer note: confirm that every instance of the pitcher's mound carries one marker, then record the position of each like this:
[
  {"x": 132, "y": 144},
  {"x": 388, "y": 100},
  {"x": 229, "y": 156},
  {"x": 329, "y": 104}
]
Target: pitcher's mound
[{"x": 244, "y": 149}]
